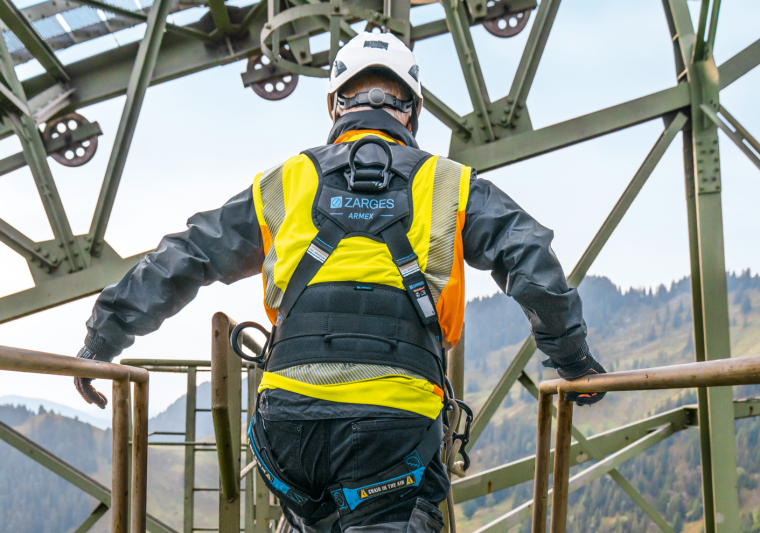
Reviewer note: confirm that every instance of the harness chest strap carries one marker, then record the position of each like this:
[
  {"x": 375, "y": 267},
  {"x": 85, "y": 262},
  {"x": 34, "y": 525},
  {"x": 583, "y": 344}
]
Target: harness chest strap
[{"x": 320, "y": 248}]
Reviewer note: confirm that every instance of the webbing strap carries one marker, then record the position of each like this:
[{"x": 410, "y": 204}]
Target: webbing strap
[
  {"x": 414, "y": 280},
  {"x": 320, "y": 248},
  {"x": 312, "y": 324}
]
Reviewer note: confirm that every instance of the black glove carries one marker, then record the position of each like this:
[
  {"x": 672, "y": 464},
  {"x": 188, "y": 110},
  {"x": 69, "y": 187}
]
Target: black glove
[
  {"x": 585, "y": 367},
  {"x": 84, "y": 385}
]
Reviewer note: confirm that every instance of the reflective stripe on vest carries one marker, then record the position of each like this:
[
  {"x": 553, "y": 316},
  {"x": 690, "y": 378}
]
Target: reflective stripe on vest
[{"x": 284, "y": 199}]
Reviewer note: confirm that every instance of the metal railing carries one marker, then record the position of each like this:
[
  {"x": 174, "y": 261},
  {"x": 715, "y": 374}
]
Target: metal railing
[
  {"x": 226, "y": 411},
  {"x": 18, "y": 360},
  {"x": 721, "y": 373}
]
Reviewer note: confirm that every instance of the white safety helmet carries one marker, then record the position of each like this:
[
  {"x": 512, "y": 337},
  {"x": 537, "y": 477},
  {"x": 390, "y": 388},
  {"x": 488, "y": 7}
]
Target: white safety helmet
[{"x": 368, "y": 50}]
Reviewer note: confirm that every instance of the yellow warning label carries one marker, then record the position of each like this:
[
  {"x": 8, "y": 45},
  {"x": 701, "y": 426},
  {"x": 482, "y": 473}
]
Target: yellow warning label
[
  {"x": 364, "y": 494},
  {"x": 409, "y": 480}
]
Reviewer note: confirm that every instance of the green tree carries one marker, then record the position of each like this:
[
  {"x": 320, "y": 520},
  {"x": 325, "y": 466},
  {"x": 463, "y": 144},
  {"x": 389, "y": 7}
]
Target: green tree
[{"x": 468, "y": 508}]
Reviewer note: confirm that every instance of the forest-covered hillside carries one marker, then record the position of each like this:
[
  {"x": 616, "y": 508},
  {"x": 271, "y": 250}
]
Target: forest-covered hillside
[{"x": 636, "y": 329}]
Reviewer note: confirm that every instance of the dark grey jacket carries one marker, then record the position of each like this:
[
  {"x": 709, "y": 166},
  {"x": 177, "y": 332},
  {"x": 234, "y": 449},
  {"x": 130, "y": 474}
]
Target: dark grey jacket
[{"x": 226, "y": 245}]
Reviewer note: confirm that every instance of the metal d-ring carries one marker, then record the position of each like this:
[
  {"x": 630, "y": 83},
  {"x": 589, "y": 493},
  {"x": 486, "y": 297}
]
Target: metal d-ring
[{"x": 385, "y": 173}]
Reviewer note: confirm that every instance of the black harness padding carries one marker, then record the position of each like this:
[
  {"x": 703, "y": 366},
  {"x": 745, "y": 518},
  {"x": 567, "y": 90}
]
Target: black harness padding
[
  {"x": 330, "y": 322},
  {"x": 345, "y": 324}
]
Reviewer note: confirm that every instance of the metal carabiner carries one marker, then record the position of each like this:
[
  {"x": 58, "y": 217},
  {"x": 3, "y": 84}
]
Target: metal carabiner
[{"x": 239, "y": 351}]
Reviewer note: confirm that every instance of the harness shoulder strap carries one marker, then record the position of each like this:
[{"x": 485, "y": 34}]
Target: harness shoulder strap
[
  {"x": 413, "y": 278},
  {"x": 320, "y": 248}
]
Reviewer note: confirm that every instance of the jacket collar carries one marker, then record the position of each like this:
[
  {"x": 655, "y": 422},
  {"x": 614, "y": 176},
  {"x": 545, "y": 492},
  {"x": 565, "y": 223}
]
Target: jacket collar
[{"x": 372, "y": 119}]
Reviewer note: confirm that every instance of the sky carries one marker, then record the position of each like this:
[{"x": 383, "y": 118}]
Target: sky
[{"x": 201, "y": 139}]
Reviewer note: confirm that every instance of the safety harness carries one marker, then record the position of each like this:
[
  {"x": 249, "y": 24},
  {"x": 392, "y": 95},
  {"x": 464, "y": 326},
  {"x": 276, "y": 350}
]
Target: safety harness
[{"x": 368, "y": 186}]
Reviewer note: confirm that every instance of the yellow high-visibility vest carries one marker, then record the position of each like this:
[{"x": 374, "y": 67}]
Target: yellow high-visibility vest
[{"x": 284, "y": 198}]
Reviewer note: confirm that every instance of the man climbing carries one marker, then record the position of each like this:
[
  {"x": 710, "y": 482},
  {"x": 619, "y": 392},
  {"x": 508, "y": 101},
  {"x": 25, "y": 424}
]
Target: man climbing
[{"x": 361, "y": 244}]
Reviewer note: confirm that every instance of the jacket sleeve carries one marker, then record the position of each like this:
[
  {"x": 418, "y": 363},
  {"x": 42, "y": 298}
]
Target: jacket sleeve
[
  {"x": 499, "y": 236},
  {"x": 220, "y": 245}
]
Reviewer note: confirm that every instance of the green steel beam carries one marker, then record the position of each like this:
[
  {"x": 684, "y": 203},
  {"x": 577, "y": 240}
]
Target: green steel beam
[
  {"x": 17, "y": 161},
  {"x": 581, "y": 479},
  {"x": 739, "y": 65},
  {"x": 221, "y": 17},
  {"x": 25, "y": 247},
  {"x": 62, "y": 469},
  {"x": 36, "y": 157},
  {"x": 66, "y": 289},
  {"x": 485, "y": 413},
  {"x": 106, "y": 75},
  {"x": 531, "y": 57},
  {"x": 576, "y": 276},
  {"x": 534, "y": 143},
  {"x": 626, "y": 199},
  {"x": 598, "y": 456},
  {"x": 96, "y": 515},
  {"x": 682, "y": 34},
  {"x": 609, "y": 442},
  {"x": 15, "y": 100},
  {"x": 22, "y": 28},
  {"x": 126, "y": 13},
  {"x": 456, "y": 18},
  {"x": 738, "y": 135},
  {"x": 142, "y": 73},
  {"x": 708, "y": 25},
  {"x": 35, "y": 154},
  {"x": 521, "y": 471},
  {"x": 445, "y": 114},
  {"x": 256, "y": 11},
  {"x": 709, "y": 290}
]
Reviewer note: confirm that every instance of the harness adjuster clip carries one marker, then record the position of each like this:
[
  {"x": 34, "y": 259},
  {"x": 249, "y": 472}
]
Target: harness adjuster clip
[{"x": 409, "y": 268}]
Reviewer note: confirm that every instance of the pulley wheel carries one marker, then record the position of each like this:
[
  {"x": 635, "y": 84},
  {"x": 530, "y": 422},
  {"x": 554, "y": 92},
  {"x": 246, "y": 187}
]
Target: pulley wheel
[
  {"x": 278, "y": 85},
  {"x": 74, "y": 153},
  {"x": 508, "y": 24}
]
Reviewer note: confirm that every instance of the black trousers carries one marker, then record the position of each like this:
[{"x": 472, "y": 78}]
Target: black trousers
[{"x": 314, "y": 454}]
